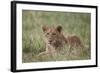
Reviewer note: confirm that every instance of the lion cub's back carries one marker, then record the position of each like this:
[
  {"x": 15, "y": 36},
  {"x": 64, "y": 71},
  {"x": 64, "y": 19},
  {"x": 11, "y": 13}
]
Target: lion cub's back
[{"x": 73, "y": 41}]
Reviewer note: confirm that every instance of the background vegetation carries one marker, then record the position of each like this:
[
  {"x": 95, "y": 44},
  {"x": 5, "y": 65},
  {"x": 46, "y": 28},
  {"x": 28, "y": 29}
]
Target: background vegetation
[{"x": 32, "y": 35}]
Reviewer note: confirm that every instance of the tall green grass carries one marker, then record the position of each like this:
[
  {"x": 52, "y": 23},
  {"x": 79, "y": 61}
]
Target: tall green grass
[{"x": 32, "y": 35}]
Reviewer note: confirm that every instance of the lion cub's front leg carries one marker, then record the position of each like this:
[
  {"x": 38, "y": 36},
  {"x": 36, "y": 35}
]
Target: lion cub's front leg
[{"x": 50, "y": 50}]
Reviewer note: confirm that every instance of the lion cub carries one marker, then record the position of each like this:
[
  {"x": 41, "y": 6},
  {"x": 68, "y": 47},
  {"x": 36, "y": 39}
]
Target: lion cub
[{"x": 55, "y": 40}]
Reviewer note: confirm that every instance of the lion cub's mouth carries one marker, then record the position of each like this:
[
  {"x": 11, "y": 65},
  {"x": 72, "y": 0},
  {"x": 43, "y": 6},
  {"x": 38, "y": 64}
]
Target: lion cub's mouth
[{"x": 52, "y": 42}]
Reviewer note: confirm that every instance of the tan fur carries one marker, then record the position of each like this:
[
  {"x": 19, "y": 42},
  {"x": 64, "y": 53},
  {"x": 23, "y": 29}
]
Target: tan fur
[
  {"x": 55, "y": 39},
  {"x": 74, "y": 41}
]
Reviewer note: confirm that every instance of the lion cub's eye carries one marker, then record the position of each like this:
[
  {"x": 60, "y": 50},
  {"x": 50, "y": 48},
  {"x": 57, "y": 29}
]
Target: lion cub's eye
[{"x": 47, "y": 33}]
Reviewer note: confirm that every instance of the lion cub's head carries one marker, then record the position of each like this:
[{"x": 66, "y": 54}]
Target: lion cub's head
[{"x": 52, "y": 34}]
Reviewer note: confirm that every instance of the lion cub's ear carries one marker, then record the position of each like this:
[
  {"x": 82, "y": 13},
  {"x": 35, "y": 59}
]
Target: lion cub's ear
[
  {"x": 59, "y": 28},
  {"x": 44, "y": 28}
]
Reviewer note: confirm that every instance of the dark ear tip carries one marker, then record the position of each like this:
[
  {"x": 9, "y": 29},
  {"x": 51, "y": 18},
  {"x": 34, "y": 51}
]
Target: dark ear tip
[
  {"x": 44, "y": 27},
  {"x": 59, "y": 28}
]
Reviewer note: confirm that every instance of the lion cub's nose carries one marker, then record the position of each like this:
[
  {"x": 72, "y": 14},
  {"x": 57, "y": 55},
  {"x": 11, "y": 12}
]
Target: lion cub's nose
[{"x": 50, "y": 41}]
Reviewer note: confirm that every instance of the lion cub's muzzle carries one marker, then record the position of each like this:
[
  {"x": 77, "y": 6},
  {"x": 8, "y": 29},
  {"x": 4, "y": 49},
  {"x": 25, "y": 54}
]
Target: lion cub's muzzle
[{"x": 50, "y": 41}]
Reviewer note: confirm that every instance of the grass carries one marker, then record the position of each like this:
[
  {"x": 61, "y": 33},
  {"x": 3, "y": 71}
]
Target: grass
[{"x": 32, "y": 35}]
